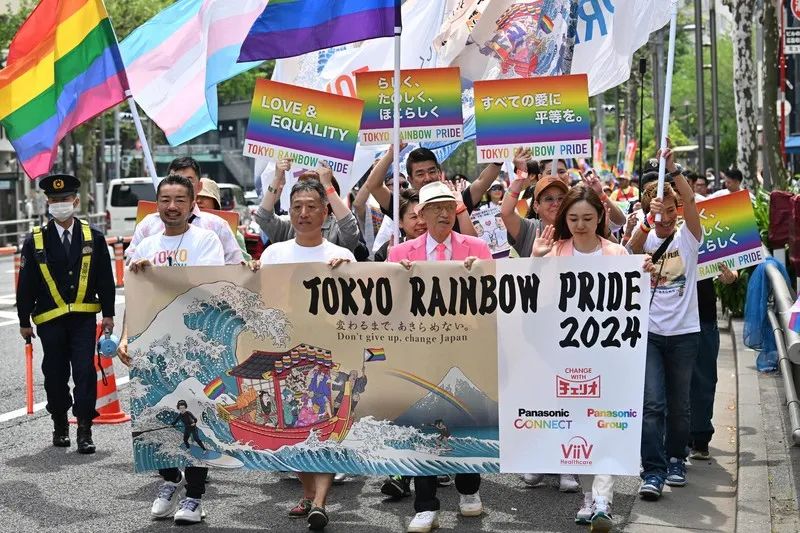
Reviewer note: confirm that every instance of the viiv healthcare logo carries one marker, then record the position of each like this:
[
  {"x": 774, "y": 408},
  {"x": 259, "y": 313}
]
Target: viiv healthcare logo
[
  {"x": 542, "y": 419},
  {"x": 578, "y": 383},
  {"x": 577, "y": 452}
]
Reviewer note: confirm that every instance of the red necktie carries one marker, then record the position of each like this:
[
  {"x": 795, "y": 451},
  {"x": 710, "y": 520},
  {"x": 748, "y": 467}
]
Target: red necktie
[{"x": 440, "y": 248}]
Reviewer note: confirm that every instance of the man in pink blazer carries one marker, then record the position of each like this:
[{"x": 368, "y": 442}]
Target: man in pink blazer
[{"x": 437, "y": 206}]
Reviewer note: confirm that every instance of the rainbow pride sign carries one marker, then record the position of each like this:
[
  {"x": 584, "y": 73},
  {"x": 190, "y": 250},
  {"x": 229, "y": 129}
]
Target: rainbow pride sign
[
  {"x": 430, "y": 107},
  {"x": 548, "y": 115},
  {"x": 730, "y": 234},
  {"x": 308, "y": 126}
]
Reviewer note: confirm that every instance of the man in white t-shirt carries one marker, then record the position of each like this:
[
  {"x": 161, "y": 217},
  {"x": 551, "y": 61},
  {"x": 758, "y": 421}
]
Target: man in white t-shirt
[
  {"x": 674, "y": 331},
  {"x": 153, "y": 224},
  {"x": 180, "y": 243},
  {"x": 308, "y": 210}
]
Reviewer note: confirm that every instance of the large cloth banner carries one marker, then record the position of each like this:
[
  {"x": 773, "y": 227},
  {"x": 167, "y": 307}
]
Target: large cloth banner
[
  {"x": 572, "y": 372},
  {"x": 367, "y": 369}
]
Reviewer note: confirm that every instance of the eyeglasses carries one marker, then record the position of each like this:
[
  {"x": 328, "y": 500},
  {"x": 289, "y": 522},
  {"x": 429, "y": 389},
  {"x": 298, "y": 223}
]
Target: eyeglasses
[
  {"x": 552, "y": 199},
  {"x": 496, "y": 188},
  {"x": 441, "y": 207}
]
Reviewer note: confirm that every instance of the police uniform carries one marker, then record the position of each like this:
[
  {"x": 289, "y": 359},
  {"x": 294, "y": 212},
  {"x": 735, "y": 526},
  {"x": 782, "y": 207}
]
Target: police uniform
[{"x": 61, "y": 290}]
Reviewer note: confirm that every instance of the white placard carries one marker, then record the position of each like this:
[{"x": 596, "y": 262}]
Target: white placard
[{"x": 571, "y": 400}]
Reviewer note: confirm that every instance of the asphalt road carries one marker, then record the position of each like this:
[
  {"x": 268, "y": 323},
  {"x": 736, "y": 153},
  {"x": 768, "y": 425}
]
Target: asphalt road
[{"x": 48, "y": 489}]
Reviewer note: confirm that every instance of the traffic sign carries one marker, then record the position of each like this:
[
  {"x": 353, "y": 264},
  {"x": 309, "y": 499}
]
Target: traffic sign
[{"x": 791, "y": 39}]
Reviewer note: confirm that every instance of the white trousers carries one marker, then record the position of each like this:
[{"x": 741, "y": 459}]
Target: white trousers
[{"x": 602, "y": 485}]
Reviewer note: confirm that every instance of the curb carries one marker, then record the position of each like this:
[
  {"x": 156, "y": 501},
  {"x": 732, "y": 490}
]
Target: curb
[{"x": 752, "y": 487}]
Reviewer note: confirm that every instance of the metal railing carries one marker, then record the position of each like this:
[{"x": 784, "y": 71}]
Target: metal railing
[
  {"x": 12, "y": 232},
  {"x": 788, "y": 342}
]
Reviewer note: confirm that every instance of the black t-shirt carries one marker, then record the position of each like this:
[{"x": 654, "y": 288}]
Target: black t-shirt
[
  {"x": 466, "y": 197},
  {"x": 706, "y": 300}
]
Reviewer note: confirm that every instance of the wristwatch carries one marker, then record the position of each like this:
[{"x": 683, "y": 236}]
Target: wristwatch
[
  {"x": 678, "y": 170},
  {"x": 272, "y": 189}
]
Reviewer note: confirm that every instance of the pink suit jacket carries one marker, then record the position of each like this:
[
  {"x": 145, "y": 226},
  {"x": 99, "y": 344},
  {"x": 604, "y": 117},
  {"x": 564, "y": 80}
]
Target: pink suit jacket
[{"x": 463, "y": 246}]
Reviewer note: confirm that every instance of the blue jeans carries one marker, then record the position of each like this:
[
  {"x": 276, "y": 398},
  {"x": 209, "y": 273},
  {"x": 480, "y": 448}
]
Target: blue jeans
[
  {"x": 667, "y": 380},
  {"x": 704, "y": 385}
]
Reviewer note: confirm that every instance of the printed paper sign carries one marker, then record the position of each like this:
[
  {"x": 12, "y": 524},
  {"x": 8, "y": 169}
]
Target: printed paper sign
[
  {"x": 302, "y": 124},
  {"x": 572, "y": 369},
  {"x": 430, "y": 106},
  {"x": 489, "y": 226},
  {"x": 730, "y": 234},
  {"x": 548, "y": 115}
]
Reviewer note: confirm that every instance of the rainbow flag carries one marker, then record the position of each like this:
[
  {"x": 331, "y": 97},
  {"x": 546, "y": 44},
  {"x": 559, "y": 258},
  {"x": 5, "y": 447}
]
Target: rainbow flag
[
  {"x": 214, "y": 388},
  {"x": 289, "y": 28},
  {"x": 64, "y": 68},
  {"x": 374, "y": 354},
  {"x": 546, "y": 24}
]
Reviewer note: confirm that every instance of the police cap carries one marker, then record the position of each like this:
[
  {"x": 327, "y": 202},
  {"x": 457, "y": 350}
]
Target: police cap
[{"x": 59, "y": 185}]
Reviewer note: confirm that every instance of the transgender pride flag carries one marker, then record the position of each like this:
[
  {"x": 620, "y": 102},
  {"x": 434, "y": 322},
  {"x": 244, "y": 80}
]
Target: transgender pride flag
[{"x": 176, "y": 59}]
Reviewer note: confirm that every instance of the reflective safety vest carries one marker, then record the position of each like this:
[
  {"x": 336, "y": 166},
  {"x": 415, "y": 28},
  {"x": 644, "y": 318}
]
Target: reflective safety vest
[{"x": 62, "y": 308}]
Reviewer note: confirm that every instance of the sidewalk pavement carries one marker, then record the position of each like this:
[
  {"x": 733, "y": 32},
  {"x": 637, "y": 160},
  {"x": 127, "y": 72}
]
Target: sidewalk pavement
[{"x": 708, "y": 501}]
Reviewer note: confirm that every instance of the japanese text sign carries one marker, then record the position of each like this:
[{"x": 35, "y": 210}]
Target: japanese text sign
[
  {"x": 730, "y": 234},
  {"x": 430, "y": 106},
  {"x": 304, "y": 125},
  {"x": 548, "y": 115}
]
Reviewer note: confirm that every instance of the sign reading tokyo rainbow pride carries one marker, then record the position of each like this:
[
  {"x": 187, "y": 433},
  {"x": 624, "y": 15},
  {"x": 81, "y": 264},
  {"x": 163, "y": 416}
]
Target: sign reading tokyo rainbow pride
[
  {"x": 430, "y": 107},
  {"x": 548, "y": 115},
  {"x": 307, "y": 126},
  {"x": 372, "y": 369},
  {"x": 730, "y": 234}
]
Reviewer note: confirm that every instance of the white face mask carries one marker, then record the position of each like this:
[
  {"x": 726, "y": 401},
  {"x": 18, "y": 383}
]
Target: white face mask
[{"x": 61, "y": 211}]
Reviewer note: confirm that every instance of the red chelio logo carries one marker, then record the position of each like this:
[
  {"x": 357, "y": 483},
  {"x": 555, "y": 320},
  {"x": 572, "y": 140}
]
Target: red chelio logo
[
  {"x": 577, "y": 451},
  {"x": 578, "y": 385}
]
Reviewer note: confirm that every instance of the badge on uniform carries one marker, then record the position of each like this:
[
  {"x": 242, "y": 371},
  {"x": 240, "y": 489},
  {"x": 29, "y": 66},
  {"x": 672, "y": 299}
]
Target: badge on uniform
[
  {"x": 58, "y": 184},
  {"x": 87, "y": 250}
]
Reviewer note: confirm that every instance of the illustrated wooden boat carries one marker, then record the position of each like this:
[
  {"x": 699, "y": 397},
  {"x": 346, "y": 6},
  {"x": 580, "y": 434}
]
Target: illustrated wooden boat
[{"x": 268, "y": 373}]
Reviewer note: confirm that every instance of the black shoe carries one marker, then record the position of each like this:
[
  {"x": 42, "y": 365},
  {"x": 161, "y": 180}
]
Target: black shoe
[
  {"x": 317, "y": 519},
  {"x": 60, "y": 431},
  {"x": 396, "y": 487},
  {"x": 85, "y": 444}
]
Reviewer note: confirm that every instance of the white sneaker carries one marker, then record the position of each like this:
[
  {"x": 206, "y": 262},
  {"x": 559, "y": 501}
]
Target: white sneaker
[
  {"x": 424, "y": 522},
  {"x": 533, "y": 480},
  {"x": 470, "y": 504},
  {"x": 340, "y": 478},
  {"x": 568, "y": 483},
  {"x": 585, "y": 513},
  {"x": 602, "y": 521},
  {"x": 190, "y": 511},
  {"x": 167, "y": 500}
]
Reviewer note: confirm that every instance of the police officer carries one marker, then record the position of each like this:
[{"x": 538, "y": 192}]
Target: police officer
[{"x": 65, "y": 279}]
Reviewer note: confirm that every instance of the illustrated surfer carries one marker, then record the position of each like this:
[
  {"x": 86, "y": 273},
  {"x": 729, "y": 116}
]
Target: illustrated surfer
[
  {"x": 189, "y": 425},
  {"x": 444, "y": 433}
]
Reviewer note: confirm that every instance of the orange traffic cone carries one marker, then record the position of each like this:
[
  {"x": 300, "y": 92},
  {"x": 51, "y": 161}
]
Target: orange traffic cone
[{"x": 107, "y": 404}]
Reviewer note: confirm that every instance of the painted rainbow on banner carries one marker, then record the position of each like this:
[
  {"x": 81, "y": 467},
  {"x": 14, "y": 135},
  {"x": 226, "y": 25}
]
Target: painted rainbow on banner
[
  {"x": 64, "y": 68},
  {"x": 214, "y": 388},
  {"x": 729, "y": 233},
  {"x": 512, "y": 126},
  {"x": 273, "y": 121},
  {"x": 422, "y": 90}
]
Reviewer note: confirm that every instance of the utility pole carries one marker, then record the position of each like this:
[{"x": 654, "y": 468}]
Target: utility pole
[
  {"x": 712, "y": 27},
  {"x": 700, "y": 82},
  {"x": 117, "y": 147}
]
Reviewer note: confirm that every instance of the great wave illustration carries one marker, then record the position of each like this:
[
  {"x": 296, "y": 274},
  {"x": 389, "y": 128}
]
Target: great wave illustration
[{"x": 256, "y": 414}]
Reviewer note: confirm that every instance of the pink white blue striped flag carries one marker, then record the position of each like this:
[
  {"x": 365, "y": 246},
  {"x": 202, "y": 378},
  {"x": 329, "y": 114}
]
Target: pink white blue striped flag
[{"x": 176, "y": 59}]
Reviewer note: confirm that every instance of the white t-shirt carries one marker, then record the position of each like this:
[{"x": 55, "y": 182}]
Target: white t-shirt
[
  {"x": 673, "y": 310},
  {"x": 196, "y": 247},
  {"x": 291, "y": 252},
  {"x": 597, "y": 252}
]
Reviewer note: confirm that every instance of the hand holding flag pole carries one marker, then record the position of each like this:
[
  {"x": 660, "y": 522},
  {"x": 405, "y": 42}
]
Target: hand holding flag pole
[{"x": 662, "y": 162}]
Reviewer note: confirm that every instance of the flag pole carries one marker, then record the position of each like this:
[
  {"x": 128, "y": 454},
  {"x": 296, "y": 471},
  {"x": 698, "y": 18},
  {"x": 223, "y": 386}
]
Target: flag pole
[
  {"x": 137, "y": 121},
  {"x": 396, "y": 137},
  {"x": 662, "y": 162}
]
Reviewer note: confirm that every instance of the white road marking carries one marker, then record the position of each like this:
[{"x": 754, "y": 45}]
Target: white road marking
[
  {"x": 18, "y": 413},
  {"x": 8, "y": 315}
]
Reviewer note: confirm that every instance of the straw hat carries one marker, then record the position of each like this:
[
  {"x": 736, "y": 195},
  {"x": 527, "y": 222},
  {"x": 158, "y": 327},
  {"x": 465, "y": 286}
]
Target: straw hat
[
  {"x": 434, "y": 193},
  {"x": 211, "y": 190}
]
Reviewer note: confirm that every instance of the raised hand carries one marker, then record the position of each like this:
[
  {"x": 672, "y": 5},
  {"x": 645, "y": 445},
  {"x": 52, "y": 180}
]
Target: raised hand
[{"x": 544, "y": 241}]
